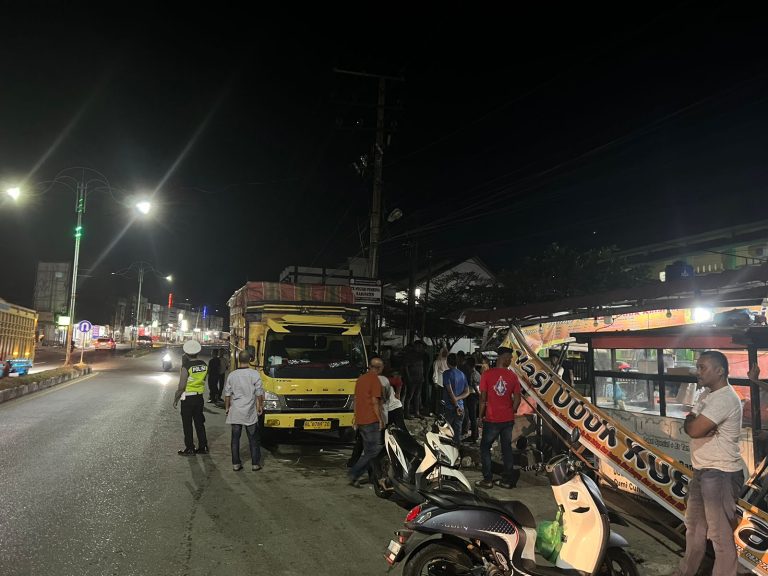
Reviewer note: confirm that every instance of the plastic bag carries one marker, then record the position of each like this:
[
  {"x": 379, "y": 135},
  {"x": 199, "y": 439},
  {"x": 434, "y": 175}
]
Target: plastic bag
[{"x": 549, "y": 537}]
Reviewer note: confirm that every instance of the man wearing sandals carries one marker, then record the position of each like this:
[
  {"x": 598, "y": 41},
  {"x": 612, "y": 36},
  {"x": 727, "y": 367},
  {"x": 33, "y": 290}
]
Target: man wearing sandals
[
  {"x": 244, "y": 403},
  {"x": 499, "y": 400}
]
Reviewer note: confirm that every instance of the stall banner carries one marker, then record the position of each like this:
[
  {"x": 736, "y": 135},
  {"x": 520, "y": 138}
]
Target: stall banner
[
  {"x": 556, "y": 333},
  {"x": 548, "y": 334},
  {"x": 657, "y": 475}
]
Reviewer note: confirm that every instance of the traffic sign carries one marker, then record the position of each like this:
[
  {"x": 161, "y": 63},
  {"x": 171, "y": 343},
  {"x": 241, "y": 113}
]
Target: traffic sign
[{"x": 84, "y": 326}]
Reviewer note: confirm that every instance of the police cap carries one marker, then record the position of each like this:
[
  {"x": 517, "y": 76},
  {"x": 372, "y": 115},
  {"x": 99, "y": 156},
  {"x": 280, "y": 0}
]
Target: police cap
[{"x": 192, "y": 347}]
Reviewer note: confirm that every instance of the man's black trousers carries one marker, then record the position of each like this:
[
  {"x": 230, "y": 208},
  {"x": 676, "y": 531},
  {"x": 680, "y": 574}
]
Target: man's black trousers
[{"x": 192, "y": 411}]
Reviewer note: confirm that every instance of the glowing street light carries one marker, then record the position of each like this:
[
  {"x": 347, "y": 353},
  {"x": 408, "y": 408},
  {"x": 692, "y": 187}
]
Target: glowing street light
[
  {"x": 144, "y": 206},
  {"x": 82, "y": 181}
]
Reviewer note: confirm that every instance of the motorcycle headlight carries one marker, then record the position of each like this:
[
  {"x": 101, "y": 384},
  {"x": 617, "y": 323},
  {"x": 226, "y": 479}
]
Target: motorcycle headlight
[
  {"x": 167, "y": 358},
  {"x": 271, "y": 401}
]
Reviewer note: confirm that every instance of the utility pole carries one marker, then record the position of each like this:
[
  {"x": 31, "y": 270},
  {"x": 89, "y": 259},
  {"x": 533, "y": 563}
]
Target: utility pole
[
  {"x": 413, "y": 248},
  {"x": 426, "y": 296},
  {"x": 138, "y": 306},
  {"x": 378, "y": 168},
  {"x": 378, "y": 164},
  {"x": 80, "y": 209}
]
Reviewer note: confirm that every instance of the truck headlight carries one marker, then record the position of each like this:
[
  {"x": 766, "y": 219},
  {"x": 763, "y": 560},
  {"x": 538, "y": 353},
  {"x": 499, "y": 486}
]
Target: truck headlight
[{"x": 271, "y": 401}]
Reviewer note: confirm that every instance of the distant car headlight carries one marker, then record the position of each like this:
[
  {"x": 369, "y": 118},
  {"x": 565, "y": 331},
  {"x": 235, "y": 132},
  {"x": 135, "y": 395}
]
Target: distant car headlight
[{"x": 271, "y": 401}]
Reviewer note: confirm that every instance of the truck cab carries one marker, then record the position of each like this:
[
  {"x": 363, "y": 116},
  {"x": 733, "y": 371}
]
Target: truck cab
[{"x": 309, "y": 355}]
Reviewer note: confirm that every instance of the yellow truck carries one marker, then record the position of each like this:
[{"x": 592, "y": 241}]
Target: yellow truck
[
  {"x": 18, "y": 334},
  {"x": 306, "y": 342}
]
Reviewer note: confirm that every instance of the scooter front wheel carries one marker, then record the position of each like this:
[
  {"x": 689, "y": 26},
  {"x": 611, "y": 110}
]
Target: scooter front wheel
[
  {"x": 438, "y": 559},
  {"x": 618, "y": 562}
]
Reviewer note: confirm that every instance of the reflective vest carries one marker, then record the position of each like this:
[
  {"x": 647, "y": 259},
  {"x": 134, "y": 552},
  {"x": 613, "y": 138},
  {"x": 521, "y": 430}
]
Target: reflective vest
[{"x": 197, "y": 371}]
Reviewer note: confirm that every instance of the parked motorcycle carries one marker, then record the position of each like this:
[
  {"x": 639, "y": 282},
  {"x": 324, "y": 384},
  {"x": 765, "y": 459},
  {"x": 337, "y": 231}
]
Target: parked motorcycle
[
  {"x": 459, "y": 534},
  {"x": 406, "y": 467},
  {"x": 167, "y": 361}
]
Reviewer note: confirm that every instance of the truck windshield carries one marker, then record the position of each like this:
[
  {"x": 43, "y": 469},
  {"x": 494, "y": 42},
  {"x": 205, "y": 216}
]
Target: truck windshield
[{"x": 314, "y": 353}]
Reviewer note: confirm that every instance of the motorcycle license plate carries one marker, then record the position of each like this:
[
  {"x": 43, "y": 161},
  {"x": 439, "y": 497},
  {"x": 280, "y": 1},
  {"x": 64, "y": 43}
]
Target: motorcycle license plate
[
  {"x": 393, "y": 551},
  {"x": 317, "y": 425}
]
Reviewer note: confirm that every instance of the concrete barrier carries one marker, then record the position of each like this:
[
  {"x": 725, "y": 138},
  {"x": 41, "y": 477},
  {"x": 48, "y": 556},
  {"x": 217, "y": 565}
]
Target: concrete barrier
[{"x": 24, "y": 389}]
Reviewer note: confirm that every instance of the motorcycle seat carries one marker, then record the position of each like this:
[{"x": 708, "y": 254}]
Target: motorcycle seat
[
  {"x": 514, "y": 508},
  {"x": 408, "y": 444}
]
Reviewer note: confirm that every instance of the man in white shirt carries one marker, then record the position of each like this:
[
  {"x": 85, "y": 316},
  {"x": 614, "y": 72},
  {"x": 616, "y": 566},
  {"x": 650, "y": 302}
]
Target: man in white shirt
[
  {"x": 244, "y": 403},
  {"x": 393, "y": 407},
  {"x": 714, "y": 426}
]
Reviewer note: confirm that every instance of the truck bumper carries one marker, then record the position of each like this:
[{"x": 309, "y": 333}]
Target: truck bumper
[{"x": 308, "y": 421}]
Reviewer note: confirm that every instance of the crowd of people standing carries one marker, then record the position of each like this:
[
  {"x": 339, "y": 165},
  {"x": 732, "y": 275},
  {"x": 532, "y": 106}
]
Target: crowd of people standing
[{"x": 477, "y": 401}]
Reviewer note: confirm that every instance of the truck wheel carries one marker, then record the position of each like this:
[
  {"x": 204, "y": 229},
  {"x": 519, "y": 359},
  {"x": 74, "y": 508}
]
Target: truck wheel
[{"x": 438, "y": 559}]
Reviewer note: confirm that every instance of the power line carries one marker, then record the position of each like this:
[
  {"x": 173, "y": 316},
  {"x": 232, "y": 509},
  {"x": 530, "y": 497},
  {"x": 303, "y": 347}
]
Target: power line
[
  {"x": 531, "y": 91},
  {"x": 500, "y": 193}
]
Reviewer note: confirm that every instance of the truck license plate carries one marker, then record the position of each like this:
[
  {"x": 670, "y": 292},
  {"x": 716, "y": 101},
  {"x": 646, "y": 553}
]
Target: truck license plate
[{"x": 317, "y": 425}]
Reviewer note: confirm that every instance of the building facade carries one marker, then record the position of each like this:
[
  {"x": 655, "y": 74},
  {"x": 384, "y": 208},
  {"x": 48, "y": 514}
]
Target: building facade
[{"x": 51, "y": 298}]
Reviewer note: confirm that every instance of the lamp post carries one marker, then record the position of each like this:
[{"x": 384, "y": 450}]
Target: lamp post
[
  {"x": 141, "y": 267},
  {"x": 81, "y": 188}
]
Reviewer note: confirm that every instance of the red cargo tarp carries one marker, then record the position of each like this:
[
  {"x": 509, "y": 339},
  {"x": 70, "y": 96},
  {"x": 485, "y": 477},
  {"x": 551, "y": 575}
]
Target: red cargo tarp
[{"x": 258, "y": 292}]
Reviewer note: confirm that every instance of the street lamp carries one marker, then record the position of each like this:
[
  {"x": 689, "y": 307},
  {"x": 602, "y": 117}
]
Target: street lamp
[
  {"x": 81, "y": 187},
  {"x": 144, "y": 206},
  {"x": 141, "y": 268}
]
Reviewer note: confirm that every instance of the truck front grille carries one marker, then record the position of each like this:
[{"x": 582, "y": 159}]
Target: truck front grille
[{"x": 317, "y": 403}]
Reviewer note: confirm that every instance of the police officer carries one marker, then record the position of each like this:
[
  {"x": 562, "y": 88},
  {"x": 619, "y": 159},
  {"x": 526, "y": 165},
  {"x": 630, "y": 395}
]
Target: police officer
[{"x": 190, "y": 391}]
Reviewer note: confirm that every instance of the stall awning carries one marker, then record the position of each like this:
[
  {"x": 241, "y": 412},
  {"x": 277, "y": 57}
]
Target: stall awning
[{"x": 693, "y": 337}]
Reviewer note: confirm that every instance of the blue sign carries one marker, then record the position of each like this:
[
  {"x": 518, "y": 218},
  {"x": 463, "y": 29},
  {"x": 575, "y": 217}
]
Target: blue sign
[{"x": 84, "y": 326}]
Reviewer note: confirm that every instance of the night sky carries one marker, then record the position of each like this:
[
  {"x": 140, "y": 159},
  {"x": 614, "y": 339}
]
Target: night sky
[{"x": 511, "y": 130}]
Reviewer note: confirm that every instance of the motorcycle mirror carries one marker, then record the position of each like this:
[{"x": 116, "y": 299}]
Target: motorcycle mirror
[{"x": 575, "y": 435}]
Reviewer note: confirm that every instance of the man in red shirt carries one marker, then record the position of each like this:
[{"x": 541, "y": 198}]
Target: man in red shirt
[
  {"x": 499, "y": 400},
  {"x": 369, "y": 419}
]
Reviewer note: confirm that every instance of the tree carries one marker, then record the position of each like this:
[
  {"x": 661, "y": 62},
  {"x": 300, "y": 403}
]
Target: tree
[
  {"x": 449, "y": 294},
  {"x": 562, "y": 272}
]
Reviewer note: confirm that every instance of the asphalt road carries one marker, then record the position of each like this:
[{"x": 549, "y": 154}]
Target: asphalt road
[{"x": 90, "y": 483}]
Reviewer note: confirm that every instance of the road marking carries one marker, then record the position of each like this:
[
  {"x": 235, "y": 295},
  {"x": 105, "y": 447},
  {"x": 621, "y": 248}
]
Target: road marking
[{"x": 52, "y": 389}]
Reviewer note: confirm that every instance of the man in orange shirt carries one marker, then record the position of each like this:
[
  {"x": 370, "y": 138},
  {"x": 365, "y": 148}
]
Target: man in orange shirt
[{"x": 369, "y": 419}]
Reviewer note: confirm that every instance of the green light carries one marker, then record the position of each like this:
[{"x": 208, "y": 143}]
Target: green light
[{"x": 78, "y": 231}]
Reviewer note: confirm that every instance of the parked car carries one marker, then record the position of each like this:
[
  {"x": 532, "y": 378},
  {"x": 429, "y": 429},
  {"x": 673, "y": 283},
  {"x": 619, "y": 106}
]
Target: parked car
[
  {"x": 105, "y": 344},
  {"x": 145, "y": 341}
]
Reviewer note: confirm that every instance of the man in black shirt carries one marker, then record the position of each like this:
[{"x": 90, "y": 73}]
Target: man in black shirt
[{"x": 214, "y": 392}]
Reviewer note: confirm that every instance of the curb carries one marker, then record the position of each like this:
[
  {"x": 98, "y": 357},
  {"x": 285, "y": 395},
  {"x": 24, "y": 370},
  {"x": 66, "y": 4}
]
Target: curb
[{"x": 24, "y": 389}]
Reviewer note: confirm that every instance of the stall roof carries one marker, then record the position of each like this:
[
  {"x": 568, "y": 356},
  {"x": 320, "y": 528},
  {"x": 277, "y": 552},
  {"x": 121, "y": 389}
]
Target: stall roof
[
  {"x": 731, "y": 288},
  {"x": 690, "y": 336}
]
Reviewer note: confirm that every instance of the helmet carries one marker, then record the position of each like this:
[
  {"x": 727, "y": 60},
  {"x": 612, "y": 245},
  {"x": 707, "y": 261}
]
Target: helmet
[{"x": 192, "y": 347}]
